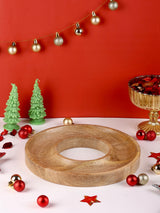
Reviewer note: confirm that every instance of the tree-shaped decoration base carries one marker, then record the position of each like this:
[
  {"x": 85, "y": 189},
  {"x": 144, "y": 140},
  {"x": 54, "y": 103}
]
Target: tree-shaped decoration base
[
  {"x": 37, "y": 110},
  {"x": 11, "y": 115}
]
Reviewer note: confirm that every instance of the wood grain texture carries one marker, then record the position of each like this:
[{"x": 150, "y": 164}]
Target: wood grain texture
[{"x": 43, "y": 158}]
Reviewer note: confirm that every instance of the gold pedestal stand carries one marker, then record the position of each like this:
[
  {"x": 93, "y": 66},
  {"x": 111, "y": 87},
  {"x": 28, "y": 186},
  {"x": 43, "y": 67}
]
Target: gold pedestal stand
[
  {"x": 147, "y": 102},
  {"x": 152, "y": 124}
]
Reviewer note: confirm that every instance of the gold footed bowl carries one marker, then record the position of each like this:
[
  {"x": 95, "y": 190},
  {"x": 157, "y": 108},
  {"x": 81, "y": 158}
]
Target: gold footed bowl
[{"x": 144, "y": 92}]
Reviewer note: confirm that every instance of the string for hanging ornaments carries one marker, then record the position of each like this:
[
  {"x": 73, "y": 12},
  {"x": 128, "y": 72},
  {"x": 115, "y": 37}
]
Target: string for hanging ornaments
[{"x": 58, "y": 40}]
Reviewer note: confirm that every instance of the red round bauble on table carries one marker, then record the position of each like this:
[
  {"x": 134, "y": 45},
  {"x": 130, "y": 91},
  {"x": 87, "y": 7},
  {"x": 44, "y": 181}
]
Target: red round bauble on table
[
  {"x": 42, "y": 200},
  {"x": 23, "y": 133},
  {"x": 151, "y": 135},
  {"x": 28, "y": 128},
  {"x": 19, "y": 185},
  {"x": 140, "y": 134},
  {"x": 132, "y": 180}
]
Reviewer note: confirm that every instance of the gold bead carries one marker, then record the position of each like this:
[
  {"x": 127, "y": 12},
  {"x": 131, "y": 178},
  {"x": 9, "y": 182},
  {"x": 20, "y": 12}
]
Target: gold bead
[
  {"x": 68, "y": 121},
  {"x": 156, "y": 169},
  {"x": 78, "y": 31},
  {"x": 15, "y": 177},
  {"x": 36, "y": 47},
  {"x": 95, "y": 19},
  {"x": 143, "y": 179},
  {"x": 58, "y": 41},
  {"x": 12, "y": 50}
]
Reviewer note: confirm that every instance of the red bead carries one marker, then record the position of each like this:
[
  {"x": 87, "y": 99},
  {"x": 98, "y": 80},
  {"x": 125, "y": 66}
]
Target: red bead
[
  {"x": 7, "y": 145},
  {"x": 14, "y": 132},
  {"x": 23, "y": 133},
  {"x": 5, "y": 132},
  {"x": 140, "y": 134},
  {"x": 28, "y": 128},
  {"x": 42, "y": 200},
  {"x": 19, "y": 185},
  {"x": 132, "y": 180},
  {"x": 1, "y": 138},
  {"x": 151, "y": 135}
]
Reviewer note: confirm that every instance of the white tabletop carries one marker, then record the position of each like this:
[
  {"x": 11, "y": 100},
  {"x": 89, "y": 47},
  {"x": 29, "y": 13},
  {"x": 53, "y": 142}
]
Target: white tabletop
[{"x": 114, "y": 198}]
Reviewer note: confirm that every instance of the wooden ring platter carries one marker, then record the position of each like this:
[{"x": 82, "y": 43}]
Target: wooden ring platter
[{"x": 43, "y": 158}]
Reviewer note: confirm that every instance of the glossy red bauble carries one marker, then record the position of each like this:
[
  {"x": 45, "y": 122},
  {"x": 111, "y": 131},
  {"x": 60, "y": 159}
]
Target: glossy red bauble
[
  {"x": 28, "y": 128},
  {"x": 132, "y": 180},
  {"x": 19, "y": 185},
  {"x": 42, "y": 200},
  {"x": 151, "y": 135},
  {"x": 140, "y": 134},
  {"x": 23, "y": 133}
]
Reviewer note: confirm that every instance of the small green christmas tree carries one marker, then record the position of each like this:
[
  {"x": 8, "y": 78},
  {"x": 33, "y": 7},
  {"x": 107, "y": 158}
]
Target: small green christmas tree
[
  {"x": 11, "y": 115},
  {"x": 37, "y": 110}
]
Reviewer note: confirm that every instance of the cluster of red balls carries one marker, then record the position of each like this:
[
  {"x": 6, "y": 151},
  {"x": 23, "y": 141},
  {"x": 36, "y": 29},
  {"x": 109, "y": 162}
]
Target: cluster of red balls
[
  {"x": 142, "y": 135},
  {"x": 25, "y": 131}
]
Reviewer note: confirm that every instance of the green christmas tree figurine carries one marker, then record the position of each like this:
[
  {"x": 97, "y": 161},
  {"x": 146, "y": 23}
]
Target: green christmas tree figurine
[
  {"x": 11, "y": 115},
  {"x": 37, "y": 110}
]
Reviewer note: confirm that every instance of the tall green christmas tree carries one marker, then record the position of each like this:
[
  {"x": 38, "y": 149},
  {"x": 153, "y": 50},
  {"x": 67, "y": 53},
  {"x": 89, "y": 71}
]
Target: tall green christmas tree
[
  {"x": 11, "y": 115},
  {"x": 37, "y": 110}
]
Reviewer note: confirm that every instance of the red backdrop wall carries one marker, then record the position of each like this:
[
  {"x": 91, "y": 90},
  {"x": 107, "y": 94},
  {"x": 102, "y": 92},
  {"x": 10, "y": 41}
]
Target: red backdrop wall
[{"x": 88, "y": 75}]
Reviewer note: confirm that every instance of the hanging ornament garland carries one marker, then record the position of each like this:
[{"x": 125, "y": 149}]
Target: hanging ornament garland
[{"x": 58, "y": 40}]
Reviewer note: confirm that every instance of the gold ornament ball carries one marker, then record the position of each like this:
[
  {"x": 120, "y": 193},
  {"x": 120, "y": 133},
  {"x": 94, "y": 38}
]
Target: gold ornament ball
[
  {"x": 12, "y": 50},
  {"x": 36, "y": 47},
  {"x": 156, "y": 169},
  {"x": 68, "y": 121},
  {"x": 15, "y": 177},
  {"x": 143, "y": 179},
  {"x": 113, "y": 5},
  {"x": 58, "y": 41},
  {"x": 95, "y": 20},
  {"x": 78, "y": 31}
]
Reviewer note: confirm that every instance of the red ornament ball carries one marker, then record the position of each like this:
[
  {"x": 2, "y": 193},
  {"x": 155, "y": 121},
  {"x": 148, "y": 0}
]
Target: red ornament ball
[
  {"x": 140, "y": 134},
  {"x": 19, "y": 185},
  {"x": 23, "y": 133},
  {"x": 42, "y": 200},
  {"x": 151, "y": 135},
  {"x": 132, "y": 180},
  {"x": 28, "y": 128}
]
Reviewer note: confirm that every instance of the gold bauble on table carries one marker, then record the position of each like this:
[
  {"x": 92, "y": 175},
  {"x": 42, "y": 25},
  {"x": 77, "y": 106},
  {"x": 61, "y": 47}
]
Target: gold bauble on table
[
  {"x": 113, "y": 5},
  {"x": 36, "y": 47},
  {"x": 143, "y": 179},
  {"x": 78, "y": 31},
  {"x": 95, "y": 20},
  {"x": 68, "y": 121},
  {"x": 12, "y": 50},
  {"x": 15, "y": 177},
  {"x": 156, "y": 169},
  {"x": 58, "y": 41}
]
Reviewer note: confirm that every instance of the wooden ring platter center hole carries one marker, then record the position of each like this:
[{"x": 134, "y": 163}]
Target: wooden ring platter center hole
[
  {"x": 43, "y": 155},
  {"x": 83, "y": 148}
]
